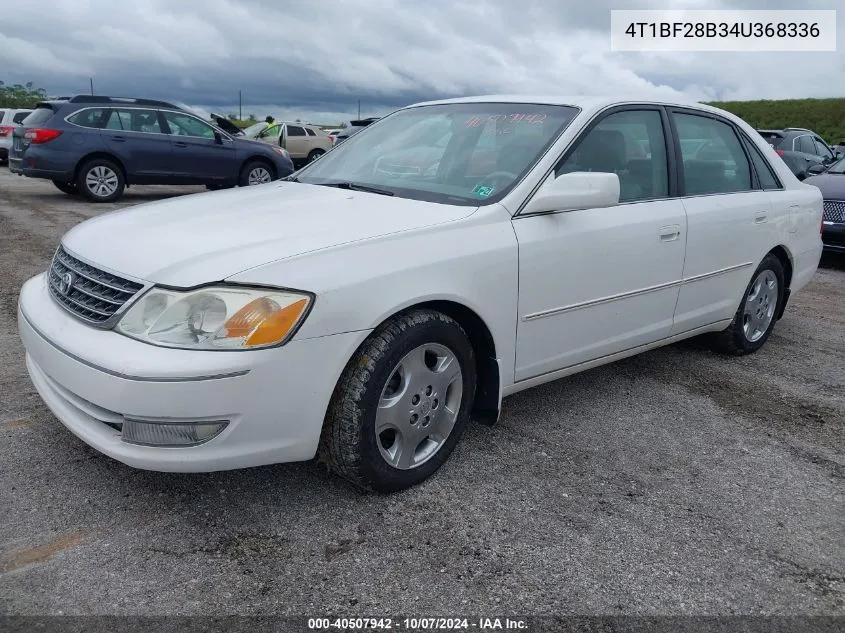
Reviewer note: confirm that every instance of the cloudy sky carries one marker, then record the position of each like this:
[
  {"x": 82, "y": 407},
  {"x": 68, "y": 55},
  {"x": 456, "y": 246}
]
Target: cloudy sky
[{"x": 314, "y": 59}]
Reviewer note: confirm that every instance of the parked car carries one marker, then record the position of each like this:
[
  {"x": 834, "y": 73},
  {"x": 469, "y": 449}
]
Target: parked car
[
  {"x": 803, "y": 141},
  {"x": 97, "y": 146},
  {"x": 367, "y": 317},
  {"x": 10, "y": 118},
  {"x": 832, "y": 185},
  {"x": 304, "y": 143},
  {"x": 352, "y": 128}
]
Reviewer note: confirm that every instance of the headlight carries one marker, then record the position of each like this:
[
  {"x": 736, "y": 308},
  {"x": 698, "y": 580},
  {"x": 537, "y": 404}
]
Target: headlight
[
  {"x": 215, "y": 317},
  {"x": 282, "y": 151}
]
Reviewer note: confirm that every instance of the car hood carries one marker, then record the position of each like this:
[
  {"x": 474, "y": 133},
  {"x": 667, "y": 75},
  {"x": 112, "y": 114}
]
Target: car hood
[
  {"x": 832, "y": 186},
  {"x": 208, "y": 237},
  {"x": 226, "y": 125}
]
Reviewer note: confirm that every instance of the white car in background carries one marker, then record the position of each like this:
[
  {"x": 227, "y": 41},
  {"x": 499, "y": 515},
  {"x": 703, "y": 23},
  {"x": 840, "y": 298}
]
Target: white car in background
[
  {"x": 10, "y": 118},
  {"x": 367, "y": 315}
]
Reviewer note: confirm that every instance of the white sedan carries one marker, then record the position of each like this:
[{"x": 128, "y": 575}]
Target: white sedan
[{"x": 367, "y": 315}]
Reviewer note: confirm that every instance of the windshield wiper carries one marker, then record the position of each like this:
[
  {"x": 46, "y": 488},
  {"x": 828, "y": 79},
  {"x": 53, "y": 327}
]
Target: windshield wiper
[{"x": 356, "y": 187}]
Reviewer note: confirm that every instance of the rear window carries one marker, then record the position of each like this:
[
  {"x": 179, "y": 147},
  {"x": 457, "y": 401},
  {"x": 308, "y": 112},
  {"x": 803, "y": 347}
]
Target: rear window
[
  {"x": 2, "y": 114},
  {"x": 18, "y": 117},
  {"x": 40, "y": 115},
  {"x": 772, "y": 138}
]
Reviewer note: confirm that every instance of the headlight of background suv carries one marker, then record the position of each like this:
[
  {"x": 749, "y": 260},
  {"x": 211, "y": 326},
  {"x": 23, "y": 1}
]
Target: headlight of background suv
[{"x": 223, "y": 317}]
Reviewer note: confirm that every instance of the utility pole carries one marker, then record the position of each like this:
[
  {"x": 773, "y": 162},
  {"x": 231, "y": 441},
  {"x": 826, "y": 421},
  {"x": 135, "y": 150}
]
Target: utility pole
[
  {"x": 359, "y": 109},
  {"x": 240, "y": 107},
  {"x": 91, "y": 81}
]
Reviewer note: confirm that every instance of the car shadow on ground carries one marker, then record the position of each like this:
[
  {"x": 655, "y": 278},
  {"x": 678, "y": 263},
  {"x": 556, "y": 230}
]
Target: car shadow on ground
[{"x": 835, "y": 261}]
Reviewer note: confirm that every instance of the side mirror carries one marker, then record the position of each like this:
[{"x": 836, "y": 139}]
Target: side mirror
[
  {"x": 801, "y": 175},
  {"x": 218, "y": 138},
  {"x": 577, "y": 190},
  {"x": 815, "y": 170},
  {"x": 283, "y": 138}
]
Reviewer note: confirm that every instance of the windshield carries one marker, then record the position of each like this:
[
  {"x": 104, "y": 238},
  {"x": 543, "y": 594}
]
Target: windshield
[
  {"x": 461, "y": 153},
  {"x": 838, "y": 167}
]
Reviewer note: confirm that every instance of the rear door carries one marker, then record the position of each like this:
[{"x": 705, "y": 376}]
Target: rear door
[
  {"x": 730, "y": 220},
  {"x": 296, "y": 141},
  {"x": 136, "y": 137},
  {"x": 198, "y": 155}
]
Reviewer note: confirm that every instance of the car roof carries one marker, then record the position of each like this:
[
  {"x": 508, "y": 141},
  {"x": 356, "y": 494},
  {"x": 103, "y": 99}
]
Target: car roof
[{"x": 588, "y": 103}]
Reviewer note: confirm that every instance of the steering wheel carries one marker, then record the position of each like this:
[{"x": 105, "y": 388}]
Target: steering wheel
[{"x": 494, "y": 176}]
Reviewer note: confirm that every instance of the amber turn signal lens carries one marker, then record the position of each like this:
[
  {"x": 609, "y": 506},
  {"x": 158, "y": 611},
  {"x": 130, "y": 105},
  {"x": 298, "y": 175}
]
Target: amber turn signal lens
[{"x": 263, "y": 322}]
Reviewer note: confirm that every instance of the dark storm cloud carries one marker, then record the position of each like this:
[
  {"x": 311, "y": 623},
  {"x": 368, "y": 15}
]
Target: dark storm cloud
[{"x": 325, "y": 55}]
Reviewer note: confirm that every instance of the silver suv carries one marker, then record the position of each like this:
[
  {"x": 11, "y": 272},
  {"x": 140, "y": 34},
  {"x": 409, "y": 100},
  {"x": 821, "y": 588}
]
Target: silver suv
[{"x": 10, "y": 118}]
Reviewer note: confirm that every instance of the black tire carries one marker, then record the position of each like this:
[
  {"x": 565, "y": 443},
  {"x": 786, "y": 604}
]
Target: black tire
[
  {"x": 69, "y": 188},
  {"x": 349, "y": 444},
  {"x": 315, "y": 154},
  {"x": 734, "y": 340},
  {"x": 108, "y": 167},
  {"x": 250, "y": 165}
]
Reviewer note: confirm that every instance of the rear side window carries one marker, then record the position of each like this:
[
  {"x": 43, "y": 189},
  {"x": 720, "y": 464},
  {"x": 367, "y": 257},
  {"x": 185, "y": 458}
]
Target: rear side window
[
  {"x": 765, "y": 174},
  {"x": 2, "y": 115},
  {"x": 89, "y": 117},
  {"x": 719, "y": 165},
  {"x": 310, "y": 132},
  {"x": 18, "y": 117},
  {"x": 38, "y": 116}
]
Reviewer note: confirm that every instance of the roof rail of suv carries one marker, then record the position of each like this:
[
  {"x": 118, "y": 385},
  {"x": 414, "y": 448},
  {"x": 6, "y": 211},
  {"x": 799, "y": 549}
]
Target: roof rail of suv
[
  {"x": 796, "y": 129},
  {"x": 103, "y": 99}
]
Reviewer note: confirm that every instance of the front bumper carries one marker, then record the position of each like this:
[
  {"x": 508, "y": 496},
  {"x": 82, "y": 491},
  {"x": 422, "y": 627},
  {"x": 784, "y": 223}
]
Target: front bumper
[
  {"x": 833, "y": 236},
  {"x": 274, "y": 399}
]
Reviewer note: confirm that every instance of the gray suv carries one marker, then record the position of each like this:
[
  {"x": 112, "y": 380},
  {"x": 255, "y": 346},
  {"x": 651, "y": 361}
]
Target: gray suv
[{"x": 96, "y": 146}]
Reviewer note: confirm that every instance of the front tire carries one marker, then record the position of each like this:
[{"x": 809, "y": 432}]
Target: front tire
[
  {"x": 402, "y": 403},
  {"x": 69, "y": 188},
  {"x": 101, "y": 180},
  {"x": 256, "y": 172},
  {"x": 757, "y": 312}
]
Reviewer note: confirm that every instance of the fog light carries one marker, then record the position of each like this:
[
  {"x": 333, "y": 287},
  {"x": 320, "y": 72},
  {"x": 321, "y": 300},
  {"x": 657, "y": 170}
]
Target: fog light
[{"x": 170, "y": 434}]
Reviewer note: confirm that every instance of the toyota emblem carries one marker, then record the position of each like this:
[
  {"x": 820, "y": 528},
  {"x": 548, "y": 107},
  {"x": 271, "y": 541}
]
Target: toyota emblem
[{"x": 66, "y": 283}]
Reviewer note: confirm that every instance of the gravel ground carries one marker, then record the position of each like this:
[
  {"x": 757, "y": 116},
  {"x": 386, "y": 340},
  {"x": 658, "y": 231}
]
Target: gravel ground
[{"x": 676, "y": 482}]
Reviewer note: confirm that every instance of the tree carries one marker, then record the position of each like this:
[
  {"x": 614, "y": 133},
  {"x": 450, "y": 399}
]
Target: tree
[{"x": 20, "y": 96}]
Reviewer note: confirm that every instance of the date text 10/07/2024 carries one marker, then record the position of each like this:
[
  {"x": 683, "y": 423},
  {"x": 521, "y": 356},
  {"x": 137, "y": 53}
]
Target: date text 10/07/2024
[
  {"x": 417, "y": 624},
  {"x": 723, "y": 29}
]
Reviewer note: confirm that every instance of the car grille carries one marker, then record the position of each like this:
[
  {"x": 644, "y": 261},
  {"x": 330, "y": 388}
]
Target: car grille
[
  {"x": 92, "y": 295},
  {"x": 834, "y": 210}
]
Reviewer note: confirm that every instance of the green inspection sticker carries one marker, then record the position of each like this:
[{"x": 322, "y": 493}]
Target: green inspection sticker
[{"x": 482, "y": 190}]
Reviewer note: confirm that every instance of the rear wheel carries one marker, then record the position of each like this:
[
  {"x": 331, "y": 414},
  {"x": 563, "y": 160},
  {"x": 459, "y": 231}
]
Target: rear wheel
[
  {"x": 755, "y": 317},
  {"x": 256, "y": 172},
  {"x": 69, "y": 188},
  {"x": 315, "y": 154},
  {"x": 402, "y": 403},
  {"x": 101, "y": 180}
]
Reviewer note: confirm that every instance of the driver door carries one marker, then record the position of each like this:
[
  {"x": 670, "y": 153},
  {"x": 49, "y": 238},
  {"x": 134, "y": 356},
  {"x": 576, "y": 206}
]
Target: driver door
[{"x": 595, "y": 282}]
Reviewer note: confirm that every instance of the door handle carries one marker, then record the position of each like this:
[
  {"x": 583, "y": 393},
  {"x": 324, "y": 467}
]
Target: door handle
[
  {"x": 119, "y": 139},
  {"x": 670, "y": 233},
  {"x": 180, "y": 144},
  {"x": 760, "y": 217}
]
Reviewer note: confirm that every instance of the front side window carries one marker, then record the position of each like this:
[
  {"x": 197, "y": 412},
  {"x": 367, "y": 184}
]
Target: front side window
[
  {"x": 719, "y": 165},
  {"x": 133, "y": 120},
  {"x": 822, "y": 149},
  {"x": 629, "y": 144},
  {"x": 457, "y": 153},
  {"x": 273, "y": 130},
  {"x": 186, "y": 125},
  {"x": 89, "y": 117}
]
